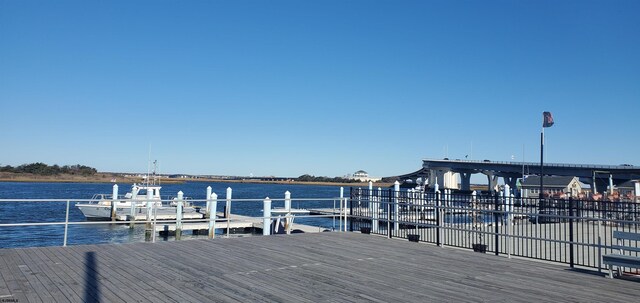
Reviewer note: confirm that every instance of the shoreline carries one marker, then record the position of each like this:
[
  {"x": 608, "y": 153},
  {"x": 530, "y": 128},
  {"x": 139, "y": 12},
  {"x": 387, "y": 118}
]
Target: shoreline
[{"x": 107, "y": 178}]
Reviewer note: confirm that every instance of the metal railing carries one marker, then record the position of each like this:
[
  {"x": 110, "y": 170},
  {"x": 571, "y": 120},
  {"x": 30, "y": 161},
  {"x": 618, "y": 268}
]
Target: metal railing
[
  {"x": 571, "y": 231},
  {"x": 49, "y": 222}
]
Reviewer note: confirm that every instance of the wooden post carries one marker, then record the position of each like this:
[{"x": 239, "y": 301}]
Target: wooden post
[
  {"x": 287, "y": 201},
  {"x": 287, "y": 218},
  {"x": 179, "y": 215},
  {"x": 148, "y": 225},
  {"x": 227, "y": 210},
  {"x": 266, "y": 220},
  {"x": 211, "y": 209},
  {"x": 114, "y": 200},
  {"x": 207, "y": 214},
  {"x": 132, "y": 209}
]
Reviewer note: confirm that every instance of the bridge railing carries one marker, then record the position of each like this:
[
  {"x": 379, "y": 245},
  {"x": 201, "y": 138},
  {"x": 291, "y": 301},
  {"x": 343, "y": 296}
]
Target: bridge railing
[
  {"x": 567, "y": 165},
  {"x": 572, "y": 231}
]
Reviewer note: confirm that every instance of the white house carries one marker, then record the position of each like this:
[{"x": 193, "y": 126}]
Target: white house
[
  {"x": 363, "y": 176},
  {"x": 552, "y": 185}
]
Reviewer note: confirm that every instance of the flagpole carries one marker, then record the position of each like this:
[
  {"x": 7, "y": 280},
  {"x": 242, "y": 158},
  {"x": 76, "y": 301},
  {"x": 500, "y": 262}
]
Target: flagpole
[
  {"x": 547, "y": 121},
  {"x": 541, "y": 162}
]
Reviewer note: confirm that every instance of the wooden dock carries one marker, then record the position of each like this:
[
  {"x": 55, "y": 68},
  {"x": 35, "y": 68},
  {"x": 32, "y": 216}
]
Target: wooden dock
[
  {"x": 320, "y": 267},
  {"x": 234, "y": 222}
]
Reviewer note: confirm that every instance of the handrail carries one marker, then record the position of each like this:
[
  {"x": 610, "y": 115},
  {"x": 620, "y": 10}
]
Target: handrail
[{"x": 154, "y": 210}]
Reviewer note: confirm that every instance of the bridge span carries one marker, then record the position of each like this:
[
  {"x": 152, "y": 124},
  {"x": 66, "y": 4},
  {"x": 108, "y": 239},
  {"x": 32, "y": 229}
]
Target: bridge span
[{"x": 440, "y": 171}]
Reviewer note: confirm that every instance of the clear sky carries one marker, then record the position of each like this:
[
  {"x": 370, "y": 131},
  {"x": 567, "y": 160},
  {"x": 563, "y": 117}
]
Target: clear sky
[{"x": 325, "y": 88}]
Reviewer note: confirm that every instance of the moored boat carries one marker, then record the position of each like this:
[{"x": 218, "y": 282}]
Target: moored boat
[{"x": 100, "y": 205}]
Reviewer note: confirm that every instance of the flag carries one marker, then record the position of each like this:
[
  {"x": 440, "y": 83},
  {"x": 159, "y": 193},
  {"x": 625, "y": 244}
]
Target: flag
[{"x": 547, "y": 119}]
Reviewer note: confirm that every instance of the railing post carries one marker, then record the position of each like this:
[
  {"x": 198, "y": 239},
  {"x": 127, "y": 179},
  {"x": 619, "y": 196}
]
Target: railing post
[
  {"x": 211, "y": 209},
  {"x": 266, "y": 220},
  {"x": 496, "y": 219},
  {"x": 66, "y": 226},
  {"x": 439, "y": 217},
  {"x": 179, "y": 215},
  {"x": 571, "y": 220},
  {"x": 351, "y": 214},
  {"x": 370, "y": 197},
  {"x": 376, "y": 212},
  {"x": 390, "y": 194},
  {"x": 342, "y": 212},
  {"x": 396, "y": 206}
]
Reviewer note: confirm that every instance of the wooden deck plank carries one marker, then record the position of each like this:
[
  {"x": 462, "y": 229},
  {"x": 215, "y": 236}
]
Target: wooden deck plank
[
  {"x": 52, "y": 270},
  {"x": 39, "y": 268},
  {"x": 147, "y": 272},
  {"x": 80, "y": 277},
  {"x": 346, "y": 267},
  {"x": 60, "y": 271},
  {"x": 19, "y": 286},
  {"x": 120, "y": 276}
]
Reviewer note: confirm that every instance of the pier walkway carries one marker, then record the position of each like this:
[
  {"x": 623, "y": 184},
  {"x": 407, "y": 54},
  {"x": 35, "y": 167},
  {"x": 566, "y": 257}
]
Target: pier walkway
[{"x": 320, "y": 267}]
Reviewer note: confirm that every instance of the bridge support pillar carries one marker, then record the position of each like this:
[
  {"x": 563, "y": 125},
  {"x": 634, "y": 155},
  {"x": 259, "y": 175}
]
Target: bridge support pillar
[
  {"x": 492, "y": 182},
  {"x": 465, "y": 179}
]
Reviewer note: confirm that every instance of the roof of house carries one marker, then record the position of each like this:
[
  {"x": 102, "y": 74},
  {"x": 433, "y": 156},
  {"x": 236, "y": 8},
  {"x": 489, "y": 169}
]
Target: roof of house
[
  {"x": 549, "y": 181},
  {"x": 628, "y": 184}
]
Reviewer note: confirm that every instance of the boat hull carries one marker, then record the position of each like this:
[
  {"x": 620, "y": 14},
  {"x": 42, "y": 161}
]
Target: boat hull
[{"x": 97, "y": 211}]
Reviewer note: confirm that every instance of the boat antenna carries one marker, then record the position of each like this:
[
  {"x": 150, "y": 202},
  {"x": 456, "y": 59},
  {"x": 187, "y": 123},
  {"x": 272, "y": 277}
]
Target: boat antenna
[
  {"x": 146, "y": 181},
  {"x": 155, "y": 167}
]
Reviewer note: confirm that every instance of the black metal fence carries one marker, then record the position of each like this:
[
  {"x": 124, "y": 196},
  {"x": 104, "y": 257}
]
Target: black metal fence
[{"x": 572, "y": 231}]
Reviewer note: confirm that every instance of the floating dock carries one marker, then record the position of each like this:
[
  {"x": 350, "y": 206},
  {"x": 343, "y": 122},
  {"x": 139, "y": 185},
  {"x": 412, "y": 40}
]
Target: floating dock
[{"x": 236, "y": 224}]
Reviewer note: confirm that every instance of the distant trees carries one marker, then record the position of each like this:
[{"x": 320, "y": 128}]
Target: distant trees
[
  {"x": 40, "y": 168},
  {"x": 309, "y": 178}
]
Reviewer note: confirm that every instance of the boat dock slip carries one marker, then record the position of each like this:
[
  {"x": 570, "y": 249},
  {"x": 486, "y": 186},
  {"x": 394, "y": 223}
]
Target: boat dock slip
[
  {"x": 319, "y": 267},
  {"x": 235, "y": 222}
]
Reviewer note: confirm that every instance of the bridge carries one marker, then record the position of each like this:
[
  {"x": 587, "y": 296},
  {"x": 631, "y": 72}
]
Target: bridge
[{"x": 439, "y": 170}]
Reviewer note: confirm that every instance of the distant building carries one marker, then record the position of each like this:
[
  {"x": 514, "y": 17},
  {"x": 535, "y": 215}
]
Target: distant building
[
  {"x": 553, "y": 185},
  {"x": 363, "y": 176}
]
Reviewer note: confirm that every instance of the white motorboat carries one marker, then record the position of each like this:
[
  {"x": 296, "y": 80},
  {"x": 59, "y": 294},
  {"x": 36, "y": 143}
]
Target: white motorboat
[{"x": 99, "y": 207}]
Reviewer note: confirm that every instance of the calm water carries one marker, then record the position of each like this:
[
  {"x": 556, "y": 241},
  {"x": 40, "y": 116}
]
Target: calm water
[{"x": 19, "y": 212}]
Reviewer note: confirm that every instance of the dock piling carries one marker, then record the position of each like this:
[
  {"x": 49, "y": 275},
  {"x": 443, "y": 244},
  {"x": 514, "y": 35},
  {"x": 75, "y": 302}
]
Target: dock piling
[
  {"x": 266, "y": 221},
  {"x": 206, "y": 212},
  {"x": 132, "y": 213},
  {"x": 114, "y": 199},
  {"x": 180, "y": 204},
  {"x": 149, "y": 232},
  {"x": 227, "y": 209},
  {"x": 211, "y": 209}
]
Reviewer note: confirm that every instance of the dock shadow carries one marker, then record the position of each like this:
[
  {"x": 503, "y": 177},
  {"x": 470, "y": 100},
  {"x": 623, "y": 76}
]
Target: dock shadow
[{"x": 91, "y": 287}]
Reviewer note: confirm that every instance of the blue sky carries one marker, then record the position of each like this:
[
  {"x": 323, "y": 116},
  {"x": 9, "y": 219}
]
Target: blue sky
[{"x": 326, "y": 88}]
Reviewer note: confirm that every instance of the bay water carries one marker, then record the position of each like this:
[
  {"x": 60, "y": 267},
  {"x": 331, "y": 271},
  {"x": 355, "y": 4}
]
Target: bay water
[{"x": 12, "y": 212}]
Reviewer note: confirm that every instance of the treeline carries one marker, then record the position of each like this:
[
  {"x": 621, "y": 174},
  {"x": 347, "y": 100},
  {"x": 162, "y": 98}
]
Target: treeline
[
  {"x": 309, "y": 178},
  {"x": 46, "y": 170}
]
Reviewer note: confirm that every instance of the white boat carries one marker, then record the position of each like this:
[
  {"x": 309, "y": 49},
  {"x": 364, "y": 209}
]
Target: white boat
[{"x": 99, "y": 207}]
